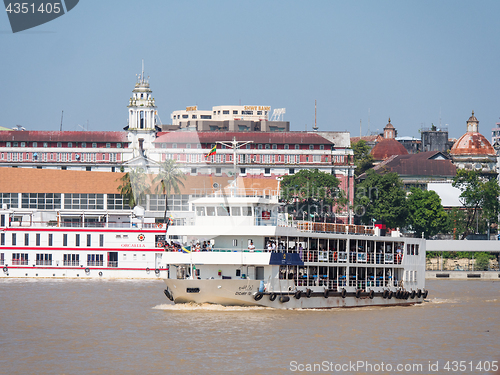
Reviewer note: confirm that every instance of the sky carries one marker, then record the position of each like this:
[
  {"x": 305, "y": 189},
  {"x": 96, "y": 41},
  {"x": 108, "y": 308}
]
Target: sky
[{"x": 417, "y": 62}]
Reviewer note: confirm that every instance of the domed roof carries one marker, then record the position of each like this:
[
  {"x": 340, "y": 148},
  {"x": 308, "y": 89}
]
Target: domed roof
[
  {"x": 387, "y": 148},
  {"x": 472, "y": 143}
]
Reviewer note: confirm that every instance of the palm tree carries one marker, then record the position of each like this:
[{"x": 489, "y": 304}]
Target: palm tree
[
  {"x": 134, "y": 187},
  {"x": 168, "y": 180}
]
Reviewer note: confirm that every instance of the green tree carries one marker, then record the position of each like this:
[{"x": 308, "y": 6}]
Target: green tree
[
  {"x": 381, "y": 197},
  {"x": 134, "y": 186},
  {"x": 363, "y": 159},
  {"x": 479, "y": 197},
  {"x": 482, "y": 261},
  {"x": 425, "y": 213},
  {"x": 168, "y": 181},
  {"x": 311, "y": 191}
]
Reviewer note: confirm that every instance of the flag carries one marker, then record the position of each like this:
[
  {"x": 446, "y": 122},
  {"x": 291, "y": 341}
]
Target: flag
[
  {"x": 184, "y": 250},
  {"x": 211, "y": 152}
]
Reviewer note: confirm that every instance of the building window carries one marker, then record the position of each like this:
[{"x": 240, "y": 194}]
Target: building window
[
  {"x": 291, "y": 170},
  {"x": 59, "y": 144},
  {"x": 297, "y": 147},
  {"x": 23, "y": 144},
  {"x": 321, "y": 147},
  {"x": 243, "y": 171},
  {"x": 7, "y": 144},
  {"x": 94, "y": 145},
  {"x": 16, "y": 144},
  {"x": 118, "y": 145},
  {"x": 235, "y": 112},
  {"x": 275, "y": 147},
  {"x": 84, "y": 145},
  {"x": 267, "y": 171},
  {"x": 311, "y": 147},
  {"x": 70, "y": 144},
  {"x": 35, "y": 144},
  {"x": 193, "y": 170},
  {"x": 45, "y": 144},
  {"x": 259, "y": 147},
  {"x": 41, "y": 201},
  {"x": 268, "y": 146},
  {"x": 218, "y": 170}
]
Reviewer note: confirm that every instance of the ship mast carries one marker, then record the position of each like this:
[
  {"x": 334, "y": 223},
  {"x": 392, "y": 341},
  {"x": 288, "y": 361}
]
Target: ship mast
[{"x": 234, "y": 145}]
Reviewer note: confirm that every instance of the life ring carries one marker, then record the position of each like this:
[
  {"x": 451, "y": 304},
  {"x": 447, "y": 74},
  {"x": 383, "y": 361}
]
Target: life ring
[
  {"x": 258, "y": 296},
  {"x": 159, "y": 244},
  {"x": 412, "y": 295},
  {"x": 358, "y": 293},
  {"x": 272, "y": 296},
  {"x": 372, "y": 294},
  {"x": 343, "y": 293},
  {"x": 5, "y": 269},
  {"x": 100, "y": 273},
  {"x": 157, "y": 271},
  {"x": 334, "y": 256},
  {"x": 160, "y": 225},
  {"x": 419, "y": 293},
  {"x": 385, "y": 294},
  {"x": 425, "y": 293},
  {"x": 298, "y": 294},
  {"x": 308, "y": 293},
  {"x": 284, "y": 299},
  {"x": 326, "y": 293},
  {"x": 389, "y": 296},
  {"x": 87, "y": 270}
]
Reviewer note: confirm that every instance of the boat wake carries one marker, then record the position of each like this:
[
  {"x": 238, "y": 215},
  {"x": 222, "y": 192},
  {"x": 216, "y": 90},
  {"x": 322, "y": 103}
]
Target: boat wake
[
  {"x": 441, "y": 300},
  {"x": 207, "y": 307}
]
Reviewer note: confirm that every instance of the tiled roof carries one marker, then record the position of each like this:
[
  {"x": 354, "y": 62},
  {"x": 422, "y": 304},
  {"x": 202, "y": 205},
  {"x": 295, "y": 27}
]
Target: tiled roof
[
  {"x": 64, "y": 136},
  {"x": 420, "y": 164},
  {"x": 386, "y": 148},
  {"x": 367, "y": 138},
  {"x": 29, "y": 180},
  {"x": 256, "y": 137},
  {"x": 472, "y": 143}
]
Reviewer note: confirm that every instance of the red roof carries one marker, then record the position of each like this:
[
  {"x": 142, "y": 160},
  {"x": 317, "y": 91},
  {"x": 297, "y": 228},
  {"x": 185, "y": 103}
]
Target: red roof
[
  {"x": 64, "y": 136},
  {"x": 386, "y": 148},
  {"x": 472, "y": 143},
  {"x": 265, "y": 137}
]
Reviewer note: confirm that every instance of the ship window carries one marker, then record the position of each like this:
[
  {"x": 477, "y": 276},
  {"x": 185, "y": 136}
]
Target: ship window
[
  {"x": 77, "y": 239},
  {"x": 408, "y": 249},
  {"x": 236, "y": 211},
  {"x": 2, "y": 239},
  {"x": 101, "y": 240},
  {"x": 200, "y": 211},
  {"x": 65, "y": 239},
  {"x": 95, "y": 260},
  {"x": 259, "y": 273},
  {"x": 89, "y": 239},
  {"x": 26, "y": 239},
  {"x": 235, "y": 242},
  {"x": 238, "y": 272},
  {"x": 416, "y": 250},
  {"x": 246, "y": 211},
  {"x": 43, "y": 259},
  {"x": 210, "y": 211},
  {"x": 13, "y": 239},
  {"x": 222, "y": 211},
  {"x": 50, "y": 241}
]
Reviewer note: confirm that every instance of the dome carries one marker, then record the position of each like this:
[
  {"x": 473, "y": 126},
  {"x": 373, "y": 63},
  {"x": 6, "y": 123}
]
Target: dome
[
  {"x": 387, "y": 148},
  {"x": 472, "y": 143}
]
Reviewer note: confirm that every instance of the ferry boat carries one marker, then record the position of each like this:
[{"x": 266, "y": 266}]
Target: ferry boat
[
  {"x": 81, "y": 244},
  {"x": 251, "y": 254}
]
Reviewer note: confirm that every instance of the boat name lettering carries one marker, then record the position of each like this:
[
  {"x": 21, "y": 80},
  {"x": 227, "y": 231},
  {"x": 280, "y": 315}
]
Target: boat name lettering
[
  {"x": 246, "y": 287},
  {"x": 133, "y": 245},
  {"x": 242, "y": 293}
]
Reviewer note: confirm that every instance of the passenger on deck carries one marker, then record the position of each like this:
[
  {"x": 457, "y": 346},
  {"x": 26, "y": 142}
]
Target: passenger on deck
[
  {"x": 251, "y": 247},
  {"x": 204, "y": 246}
]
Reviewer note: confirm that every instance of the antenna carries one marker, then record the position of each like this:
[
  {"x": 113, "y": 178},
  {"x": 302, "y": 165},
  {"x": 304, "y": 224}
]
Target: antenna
[
  {"x": 368, "y": 121},
  {"x": 315, "y": 127},
  {"x": 62, "y": 112},
  {"x": 142, "y": 77}
]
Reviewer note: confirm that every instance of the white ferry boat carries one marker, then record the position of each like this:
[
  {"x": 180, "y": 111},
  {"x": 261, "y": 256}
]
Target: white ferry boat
[
  {"x": 249, "y": 254},
  {"x": 80, "y": 244}
]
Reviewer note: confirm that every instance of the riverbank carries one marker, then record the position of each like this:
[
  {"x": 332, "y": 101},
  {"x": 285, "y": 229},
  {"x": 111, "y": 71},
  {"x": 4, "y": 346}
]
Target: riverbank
[{"x": 463, "y": 275}]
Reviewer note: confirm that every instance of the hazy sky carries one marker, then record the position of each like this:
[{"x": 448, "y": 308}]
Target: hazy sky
[{"x": 418, "y": 62}]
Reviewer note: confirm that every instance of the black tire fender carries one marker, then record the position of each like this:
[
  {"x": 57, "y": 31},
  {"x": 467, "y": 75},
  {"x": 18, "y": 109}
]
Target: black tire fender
[
  {"x": 272, "y": 296},
  {"x": 308, "y": 293},
  {"x": 343, "y": 293},
  {"x": 258, "y": 296},
  {"x": 298, "y": 294},
  {"x": 326, "y": 293}
]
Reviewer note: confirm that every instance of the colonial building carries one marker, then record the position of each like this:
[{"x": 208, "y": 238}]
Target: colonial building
[
  {"x": 388, "y": 146},
  {"x": 473, "y": 151}
]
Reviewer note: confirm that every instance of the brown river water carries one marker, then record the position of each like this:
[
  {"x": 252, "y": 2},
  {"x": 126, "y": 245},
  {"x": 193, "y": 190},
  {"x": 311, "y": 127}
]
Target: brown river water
[{"x": 129, "y": 327}]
